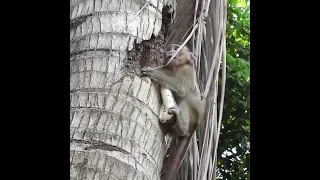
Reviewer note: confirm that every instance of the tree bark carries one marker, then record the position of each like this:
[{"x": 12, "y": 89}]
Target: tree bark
[{"x": 114, "y": 130}]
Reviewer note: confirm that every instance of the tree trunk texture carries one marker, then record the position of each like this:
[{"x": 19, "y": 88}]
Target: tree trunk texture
[{"x": 114, "y": 130}]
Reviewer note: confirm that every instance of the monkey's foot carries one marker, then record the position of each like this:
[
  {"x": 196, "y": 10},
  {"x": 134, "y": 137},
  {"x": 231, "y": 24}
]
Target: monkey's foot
[
  {"x": 181, "y": 125},
  {"x": 174, "y": 110}
]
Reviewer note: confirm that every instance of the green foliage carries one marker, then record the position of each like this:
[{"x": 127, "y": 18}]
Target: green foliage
[{"x": 233, "y": 151}]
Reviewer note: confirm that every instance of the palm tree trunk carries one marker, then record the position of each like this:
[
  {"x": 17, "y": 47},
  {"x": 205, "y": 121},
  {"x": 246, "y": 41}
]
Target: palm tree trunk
[{"x": 114, "y": 130}]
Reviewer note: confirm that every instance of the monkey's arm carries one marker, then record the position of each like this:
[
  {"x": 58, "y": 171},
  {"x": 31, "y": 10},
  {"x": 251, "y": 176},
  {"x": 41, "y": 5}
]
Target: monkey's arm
[
  {"x": 175, "y": 158},
  {"x": 181, "y": 84}
]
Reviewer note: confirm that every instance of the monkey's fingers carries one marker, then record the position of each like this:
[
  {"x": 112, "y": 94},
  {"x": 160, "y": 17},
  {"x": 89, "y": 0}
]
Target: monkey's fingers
[{"x": 146, "y": 71}]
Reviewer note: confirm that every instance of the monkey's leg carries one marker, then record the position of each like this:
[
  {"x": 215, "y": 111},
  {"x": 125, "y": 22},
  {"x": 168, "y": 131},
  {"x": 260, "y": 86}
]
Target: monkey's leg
[
  {"x": 175, "y": 159},
  {"x": 171, "y": 151},
  {"x": 182, "y": 118}
]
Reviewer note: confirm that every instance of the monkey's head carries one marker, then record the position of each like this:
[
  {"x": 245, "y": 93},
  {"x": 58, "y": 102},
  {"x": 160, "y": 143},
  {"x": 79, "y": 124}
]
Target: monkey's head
[{"x": 183, "y": 57}]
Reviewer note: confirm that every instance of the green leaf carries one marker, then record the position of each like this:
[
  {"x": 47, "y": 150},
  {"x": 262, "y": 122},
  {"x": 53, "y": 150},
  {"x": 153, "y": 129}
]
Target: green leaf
[{"x": 236, "y": 114}]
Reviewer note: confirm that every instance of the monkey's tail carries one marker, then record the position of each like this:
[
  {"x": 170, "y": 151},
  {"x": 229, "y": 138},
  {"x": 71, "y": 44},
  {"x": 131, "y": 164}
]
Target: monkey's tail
[{"x": 175, "y": 159}]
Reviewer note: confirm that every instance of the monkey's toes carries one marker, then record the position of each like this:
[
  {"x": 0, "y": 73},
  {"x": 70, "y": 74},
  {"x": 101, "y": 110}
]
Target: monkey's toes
[{"x": 173, "y": 110}]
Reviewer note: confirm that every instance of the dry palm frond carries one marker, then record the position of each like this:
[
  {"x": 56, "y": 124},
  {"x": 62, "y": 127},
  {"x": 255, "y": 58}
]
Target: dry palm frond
[{"x": 208, "y": 44}]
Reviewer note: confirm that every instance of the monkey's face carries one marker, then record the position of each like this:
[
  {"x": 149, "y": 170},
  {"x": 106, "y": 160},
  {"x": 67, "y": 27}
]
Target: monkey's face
[{"x": 179, "y": 58}]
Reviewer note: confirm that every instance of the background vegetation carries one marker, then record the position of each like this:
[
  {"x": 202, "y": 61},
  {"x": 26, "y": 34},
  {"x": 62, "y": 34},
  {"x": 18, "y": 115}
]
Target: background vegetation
[{"x": 234, "y": 146}]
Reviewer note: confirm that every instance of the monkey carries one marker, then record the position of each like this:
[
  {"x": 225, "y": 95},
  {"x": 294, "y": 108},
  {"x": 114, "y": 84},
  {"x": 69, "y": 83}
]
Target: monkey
[
  {"x": 167, "y": 96},
  {"x": 178, "y": 76}
]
